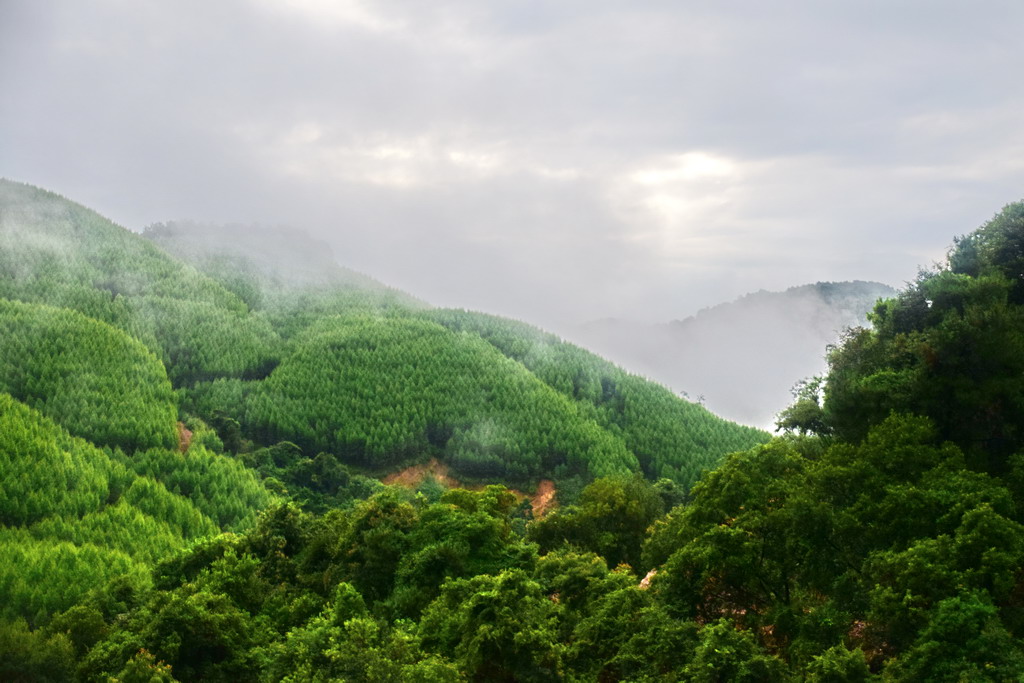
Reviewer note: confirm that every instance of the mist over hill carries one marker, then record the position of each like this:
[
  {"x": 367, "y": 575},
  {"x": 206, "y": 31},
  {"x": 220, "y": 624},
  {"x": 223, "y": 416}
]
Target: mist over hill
[
  {"x": 740, "y": 358},
  {"x": 265, "y": 265}
]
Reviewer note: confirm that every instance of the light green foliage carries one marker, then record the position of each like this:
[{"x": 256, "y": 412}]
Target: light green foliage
[
  {"x": 670, "y": 437},
  {"x": 380, "y": 391},
  {"x": 220, "y": 487},
  {"x": 144, "y": 668},
  {"x": 95, "y": 380},
  {"x": 79, "y": 516},
  {"x": 44, "y": 471},
  {"x": 41, "y": 576},
  {"x": 284, "y": 274},
  {"x": 57, "y": 252},
  {"x": 123, "y": 527},
  {"x": 839, "y": 665},
  {"x": 201, "y": 341}
]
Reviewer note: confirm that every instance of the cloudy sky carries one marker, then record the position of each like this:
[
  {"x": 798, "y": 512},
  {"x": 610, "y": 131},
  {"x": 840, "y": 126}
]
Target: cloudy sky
[{"x": 556, "y": 161}]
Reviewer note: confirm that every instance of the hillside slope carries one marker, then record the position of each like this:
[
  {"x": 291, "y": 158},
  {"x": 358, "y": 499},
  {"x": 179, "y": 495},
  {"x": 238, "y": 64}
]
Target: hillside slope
[
  {"x": 59, "y": 253},
  {"x": 290, "y": 277},
  {"x": 265, "y": 337}
]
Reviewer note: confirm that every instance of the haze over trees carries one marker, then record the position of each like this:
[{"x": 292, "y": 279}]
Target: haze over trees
[
  {"x": 192, "y": 440},
  {"x": 718, "y": 355}
]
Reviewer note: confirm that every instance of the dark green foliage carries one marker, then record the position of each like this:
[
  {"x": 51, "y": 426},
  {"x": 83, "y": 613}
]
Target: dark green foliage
[
  {"x": 318, "y": 484},
  {"x": 964, "y": 639},
  {"x": 868, "y": 540},
  {"x": 948, "y": 347},
  {"x": 462, "y": 535},
  {"x": 610, "y": 519},
  {"x": 497, "y": 628},
  {"x": 726, "y": 653},
  {"x": 33, "y": 657}
]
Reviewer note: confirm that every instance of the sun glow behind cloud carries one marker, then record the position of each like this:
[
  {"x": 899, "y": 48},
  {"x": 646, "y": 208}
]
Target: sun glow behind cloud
[
  {"x": 314, "y": 151},
  {"x": 332, "y": 14}
]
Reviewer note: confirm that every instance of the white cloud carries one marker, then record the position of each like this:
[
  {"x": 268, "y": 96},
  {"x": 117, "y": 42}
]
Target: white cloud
[
  {"x": 332, "y": 14},
  {"x": 686, "y": 167}
]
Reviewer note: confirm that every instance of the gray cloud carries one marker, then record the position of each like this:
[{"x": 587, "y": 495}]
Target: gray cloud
[{"x": 552, "y": 161}]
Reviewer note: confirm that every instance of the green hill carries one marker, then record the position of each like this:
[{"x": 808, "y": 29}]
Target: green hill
[
  {"x": 385, "y": 391},
  {"x": 73, "y": 516},
  {"x": 670, "y": 437},
  {"x": 59, "y": 253},
  {"x": 156, "y": 393},
  {"x": 90, "y": 377}
]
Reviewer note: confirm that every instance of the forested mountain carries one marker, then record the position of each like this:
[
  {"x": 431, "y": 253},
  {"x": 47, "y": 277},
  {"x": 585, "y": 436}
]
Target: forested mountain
[
  {"x": 191, "y": 455},
  {"x": 59, "y": 253},
  {"x": 740, "y": 358},
  {"x": 671, "y": 439},
  {"x": 312, "y": 378}
]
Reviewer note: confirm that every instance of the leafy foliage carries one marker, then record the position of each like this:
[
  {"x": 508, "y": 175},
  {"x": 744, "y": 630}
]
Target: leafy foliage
[{"x": 948, "y": 348}]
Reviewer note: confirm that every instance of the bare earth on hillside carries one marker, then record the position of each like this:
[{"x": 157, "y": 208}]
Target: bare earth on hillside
[
  {"x": 184, "y": 437},
  {"x": 411, "y": 477},
  {"x": 542, "y": 502}
]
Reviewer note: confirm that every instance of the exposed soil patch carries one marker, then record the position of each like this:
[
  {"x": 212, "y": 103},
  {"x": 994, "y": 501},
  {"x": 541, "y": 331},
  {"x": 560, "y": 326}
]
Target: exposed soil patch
[
  {"x": 411, "y": 477},
  {"x": 184, "y": 437},
  {"x": 542, "y": 502}
]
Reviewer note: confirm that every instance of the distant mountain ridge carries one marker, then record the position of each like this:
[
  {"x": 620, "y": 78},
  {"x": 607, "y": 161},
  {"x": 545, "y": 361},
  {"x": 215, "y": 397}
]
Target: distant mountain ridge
[{"x": 740, "y": 358}]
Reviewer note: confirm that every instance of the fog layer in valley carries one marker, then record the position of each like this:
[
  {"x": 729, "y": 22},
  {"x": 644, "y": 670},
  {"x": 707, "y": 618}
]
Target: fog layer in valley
[{"x": 740, "y": 359}]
